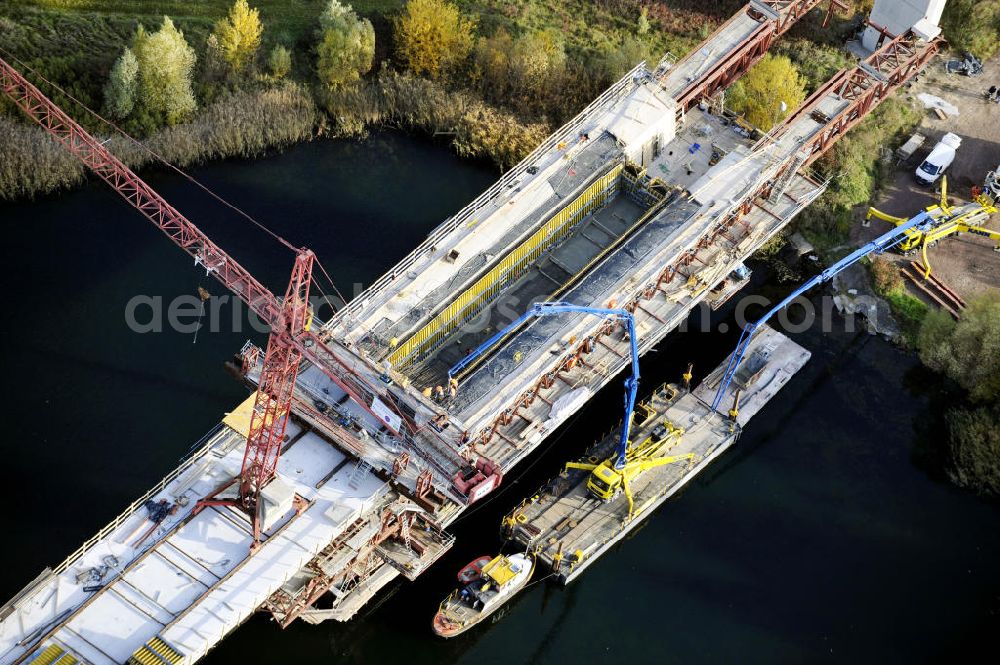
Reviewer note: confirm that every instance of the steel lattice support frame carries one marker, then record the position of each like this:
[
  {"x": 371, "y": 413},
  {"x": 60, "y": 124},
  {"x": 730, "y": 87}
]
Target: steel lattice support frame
[
  {"x": 275, "y": 389},
  {"x": 783, "y": 14},
  {"x": 102, "y": 162},
  {"x": 176, "y": 226},
  {"x": 865, "y": 87}
]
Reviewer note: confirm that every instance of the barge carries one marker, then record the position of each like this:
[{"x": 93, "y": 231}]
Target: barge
[{"x": 568, "y": 527}]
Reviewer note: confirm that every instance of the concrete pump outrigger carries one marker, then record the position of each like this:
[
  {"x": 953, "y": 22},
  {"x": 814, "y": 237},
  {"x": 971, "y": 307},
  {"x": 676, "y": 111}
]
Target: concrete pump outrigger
[{"x": 947, "y": 220}]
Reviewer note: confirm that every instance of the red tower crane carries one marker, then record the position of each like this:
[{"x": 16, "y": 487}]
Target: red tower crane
[{"x": 290, "y": 340}]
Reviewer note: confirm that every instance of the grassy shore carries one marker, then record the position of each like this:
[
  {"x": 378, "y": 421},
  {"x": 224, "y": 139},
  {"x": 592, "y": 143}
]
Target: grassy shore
[{"x": 74, "y": 43}]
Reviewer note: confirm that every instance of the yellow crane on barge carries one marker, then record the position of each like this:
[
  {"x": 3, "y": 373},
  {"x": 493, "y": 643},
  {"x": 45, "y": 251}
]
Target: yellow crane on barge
[{"x": 607, "y": 478}]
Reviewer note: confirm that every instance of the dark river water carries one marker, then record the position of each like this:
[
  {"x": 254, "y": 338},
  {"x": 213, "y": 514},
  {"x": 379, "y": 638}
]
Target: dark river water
[{"x": 826, "y": 535}]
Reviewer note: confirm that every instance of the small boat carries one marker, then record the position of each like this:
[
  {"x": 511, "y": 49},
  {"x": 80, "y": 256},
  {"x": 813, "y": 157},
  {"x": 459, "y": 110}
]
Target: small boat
[
  {"x": 473, "y": 571},
  {"x": 486, "y": 584}
]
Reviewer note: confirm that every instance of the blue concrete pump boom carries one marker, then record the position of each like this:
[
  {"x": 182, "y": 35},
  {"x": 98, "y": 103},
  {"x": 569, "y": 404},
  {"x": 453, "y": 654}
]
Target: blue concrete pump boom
[
  {"x": 551, "y": 308},
  {"x": 879, "y": 245}
]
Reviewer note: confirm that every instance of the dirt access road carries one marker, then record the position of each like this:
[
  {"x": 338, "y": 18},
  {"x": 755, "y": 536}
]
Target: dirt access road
[{"x": 966, "y": 262}]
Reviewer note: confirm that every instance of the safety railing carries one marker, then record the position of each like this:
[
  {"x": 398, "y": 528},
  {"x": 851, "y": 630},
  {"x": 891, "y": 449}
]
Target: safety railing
[
  {"x": 209, "y": 440},
  {"x": 512, "y": 266},
  {"x": 565, "y": 132}
]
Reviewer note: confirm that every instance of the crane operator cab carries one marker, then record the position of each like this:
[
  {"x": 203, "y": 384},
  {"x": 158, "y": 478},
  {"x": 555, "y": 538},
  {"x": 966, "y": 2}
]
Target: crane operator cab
[{"x": 604, "y": 482}]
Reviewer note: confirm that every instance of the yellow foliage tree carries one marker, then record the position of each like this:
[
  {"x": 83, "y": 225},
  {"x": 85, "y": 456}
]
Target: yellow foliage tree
[
  {"x": 239, "y": 35},
  {"x": 347, "y": 45},
  {"x": 166, "y": 62},
  {"x": 433, "y": 36},
  {"x": 768, "y": 92}
]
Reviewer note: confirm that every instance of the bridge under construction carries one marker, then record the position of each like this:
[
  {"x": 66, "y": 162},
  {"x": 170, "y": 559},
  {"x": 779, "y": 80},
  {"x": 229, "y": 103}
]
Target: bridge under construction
[{"x": 358, "y": 449}]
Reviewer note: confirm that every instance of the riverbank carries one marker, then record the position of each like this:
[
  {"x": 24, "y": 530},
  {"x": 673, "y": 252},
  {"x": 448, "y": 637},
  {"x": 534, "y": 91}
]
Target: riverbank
[
  {"x": 68, "y": 48},
  {"x": 529, "y": 67},
  {"x": 243, "y": 124},
  {"x": 822, "y": 521}
]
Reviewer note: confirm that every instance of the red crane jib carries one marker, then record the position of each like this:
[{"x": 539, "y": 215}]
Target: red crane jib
[
  {"x": 102, "y": 162},
  {"x": 289, "y": 342}
]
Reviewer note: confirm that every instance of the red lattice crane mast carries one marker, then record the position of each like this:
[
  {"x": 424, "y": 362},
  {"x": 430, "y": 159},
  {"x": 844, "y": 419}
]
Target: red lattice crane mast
[{"x": 290, "y": 340}]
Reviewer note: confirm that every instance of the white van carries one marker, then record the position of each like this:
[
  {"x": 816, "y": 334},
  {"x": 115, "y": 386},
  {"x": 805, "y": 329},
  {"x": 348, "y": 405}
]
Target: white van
[{"x": 940, "y": 158}]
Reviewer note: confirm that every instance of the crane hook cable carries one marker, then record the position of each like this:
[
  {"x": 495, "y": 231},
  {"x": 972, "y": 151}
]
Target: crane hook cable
[
  {"x": 149, "y": 150},
  {"x": 177, "y": 169}
]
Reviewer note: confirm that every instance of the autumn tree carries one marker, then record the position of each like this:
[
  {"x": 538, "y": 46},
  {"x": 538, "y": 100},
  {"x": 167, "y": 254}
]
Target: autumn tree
[
  {"x": 123, "y": 84},
  {"x": 433, "y": 37},
  {"x": 239, "y": 35},
  {"x": 347, "y": 45},
  {"x": 518, "y": 70},
  {"x": 642, "y": 27},
  {"x": 768, "y": 92},
  {"x": 279, "y": 62},
  {"x": 166, "y": 62}
]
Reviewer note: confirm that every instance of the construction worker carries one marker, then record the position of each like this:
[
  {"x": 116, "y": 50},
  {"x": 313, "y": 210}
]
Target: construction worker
[{"x": 439, "y": 393}]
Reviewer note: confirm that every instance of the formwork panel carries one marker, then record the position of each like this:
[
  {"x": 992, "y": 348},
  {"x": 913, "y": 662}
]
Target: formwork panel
[{"x": 509, "y": 268}]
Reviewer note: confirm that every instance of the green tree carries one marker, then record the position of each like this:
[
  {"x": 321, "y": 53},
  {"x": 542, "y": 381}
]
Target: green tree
[
  {"x": 618, "y": 59},
  {"x": 120, "y": 92},
  {"x": 279, "y": 62},
  {"x": 974, "y": 438},
  {"x": 433, "y": 37},
  {"x": 239, "y": 35},
  {"x": 347, "y": 45},
  {"x": 767, "y": 93},
  {"x": 166, "y": 62},
  {"x": 967, "y": 351}
]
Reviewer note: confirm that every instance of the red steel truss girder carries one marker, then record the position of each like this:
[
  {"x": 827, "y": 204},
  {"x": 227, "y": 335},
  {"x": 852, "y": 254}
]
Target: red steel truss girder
[
  {"x": 895, "y": 62},
  {"x": 748, "y": 52}
]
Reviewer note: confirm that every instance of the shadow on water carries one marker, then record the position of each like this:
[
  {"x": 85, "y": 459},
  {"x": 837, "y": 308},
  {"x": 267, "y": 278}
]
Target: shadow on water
[{"x": 826, "y": 534}]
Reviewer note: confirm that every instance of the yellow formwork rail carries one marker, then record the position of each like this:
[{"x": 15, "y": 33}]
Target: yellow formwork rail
[{"x": 509, "y": 268}]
